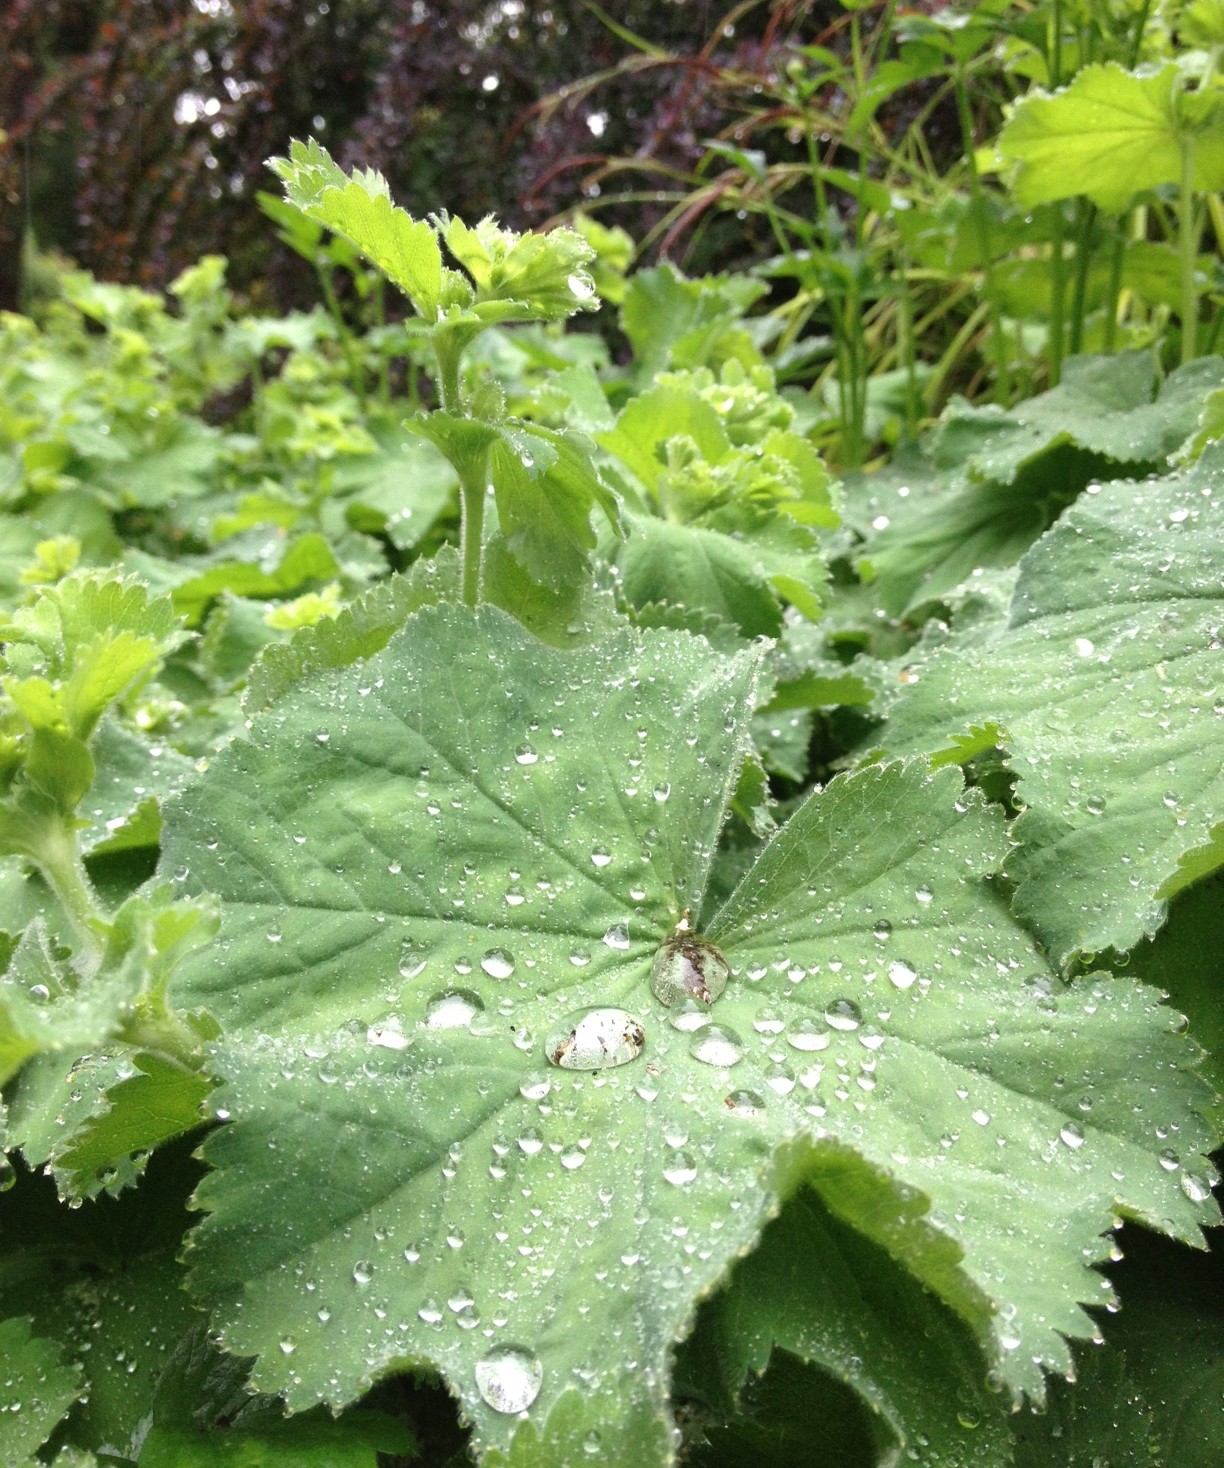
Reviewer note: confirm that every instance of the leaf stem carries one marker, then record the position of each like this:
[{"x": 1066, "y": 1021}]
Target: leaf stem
[
  {"x": 472, "y": 487},
  {"x": 59, "y": 860}
]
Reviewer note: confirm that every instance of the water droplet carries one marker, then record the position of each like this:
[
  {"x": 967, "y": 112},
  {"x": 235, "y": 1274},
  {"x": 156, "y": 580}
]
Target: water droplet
[
  {"x": 768, "y": 1021},
  {"x": 430, "y": 1312},
  {"x": 717, "y": 1045},
  {"x": 843, "y": 1014},
  {"x": 745, "y": 1103},
  {"x": 600, "y": 857},
  {"x": 580, "y": 287},
  {"x": 686, "y": 966},
  {"x": 689, "y": 1016},
  {"x": 509, "y": 1378},
  {"x": 525, "y": 755},
  {"x": 1196, "y": 1188},
  {"x": 388, "y": 1036},
  {"x": 497, "y": 963},
  {"x": 662, "y": 792},
  {"x": 680, "y": 1169},
  {"x": 923, "y": 895},
  {"x": 363, "y": 1272},
  {"x": 1169, "y": 1160},
  {"x": 595, "y": 1039},
  {"x": 1094, "y": 805},
  {"x": 617, "y": 936},
  {"x": 572, "y": 1158},
  {"x": 288, "y": 1345},
  {"x": 1072, "y": 1135},
  {"x": 580, "y": 957},
  {"x": 1084, "y": 647},
  {"x": 900, "y": 975},
  {"x": 535, "y": 1087},
  {"x": 452, "y": 1009},
  {"x": 882, "y": 930},
  {"x": 808, "y": 1034}
]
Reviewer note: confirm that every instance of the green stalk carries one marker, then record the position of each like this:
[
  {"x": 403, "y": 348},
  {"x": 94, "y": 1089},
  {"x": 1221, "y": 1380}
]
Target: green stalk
[
  {"x": 978, "y": 196},
  {"x": 1057, "y": 293},
  {"x": 347, "y": 344},
  {"x": 60, "y": 863},
  {"x": 472, "y": 488},
  {"x": 1187, "y": 243},
  {"x": 1085, "y": 219}
]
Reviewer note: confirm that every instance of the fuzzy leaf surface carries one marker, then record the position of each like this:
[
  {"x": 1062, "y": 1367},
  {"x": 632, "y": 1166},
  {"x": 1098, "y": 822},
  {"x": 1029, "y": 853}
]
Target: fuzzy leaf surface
[
  {"x": 1107, "y": 684},
  {"x": 423, "y": 884}
]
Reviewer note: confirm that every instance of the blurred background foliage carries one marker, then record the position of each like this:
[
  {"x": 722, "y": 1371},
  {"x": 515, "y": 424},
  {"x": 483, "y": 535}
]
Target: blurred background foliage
[{"x": 133, "y": 133}]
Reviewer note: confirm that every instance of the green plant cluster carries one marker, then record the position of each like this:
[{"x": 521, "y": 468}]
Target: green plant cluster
[
  {"x": 961, "y": 199},
  {"x": 513, "y": 876}
]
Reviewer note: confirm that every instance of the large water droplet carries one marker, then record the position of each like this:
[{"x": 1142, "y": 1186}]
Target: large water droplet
[
  {"x": 525, "y": 755},
  {"x": 388, "y": 1035},
  {"x": 717, "y": 1045},
  {"x": 497, "y": 963},
  {"x": 901, "y": 975},
  {"x": 843, "y": 1014},
  {"x": 687, "y": 967},
  {"x": 807, "y": 1034},
  {"x": 680, "y": 1169},
  {"x": 509, "y": 1378},
  {"x": 617, "y": 936},
  {"x": 595, "y": 1039},
  {"x": 745, "y": 1103},
  {"x": 452, "y": 1010}
]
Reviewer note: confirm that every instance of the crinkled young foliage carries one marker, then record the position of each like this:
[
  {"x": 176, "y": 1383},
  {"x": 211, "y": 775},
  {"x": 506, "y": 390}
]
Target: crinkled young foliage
[
  {"x": 1104, "y": 687},
  {"x": 432, "y": 864}
]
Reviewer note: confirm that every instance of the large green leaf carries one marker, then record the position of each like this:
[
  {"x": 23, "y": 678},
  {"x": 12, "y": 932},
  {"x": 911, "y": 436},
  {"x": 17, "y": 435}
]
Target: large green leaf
[
  {"x": 430, "y": 864},
  {"x": 1106, "y": 681},
  {"x": 1111, "y": 134}
]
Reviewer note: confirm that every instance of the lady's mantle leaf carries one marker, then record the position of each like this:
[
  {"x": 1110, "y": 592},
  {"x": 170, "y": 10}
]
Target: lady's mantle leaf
[
  {"x": 36, "y": 1390},
  {"x": 432, "y": 863},
  {"x": 1109, "y": 684}
]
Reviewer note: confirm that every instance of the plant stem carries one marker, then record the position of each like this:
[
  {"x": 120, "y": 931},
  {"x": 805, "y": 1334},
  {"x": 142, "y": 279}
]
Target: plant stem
[
  {"x": 471, "y": 528},
  {"x": 59, "y": 861},
  {"x": 978, "y": 196},
  {"x": 1187, "y": 241}
]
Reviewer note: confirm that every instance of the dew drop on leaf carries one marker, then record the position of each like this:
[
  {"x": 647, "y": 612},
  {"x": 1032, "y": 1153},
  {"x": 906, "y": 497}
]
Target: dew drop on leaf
[
  {"x": 1196, "y": 1188},
  {"x": 497, "y": 963},
  {"x": 452, "y": 1010},
  {"x": 806, "y": 1035},
  {"x": 900, "y": 974},
  {"x": 525, "y": 755},
  {"x": 843, "y": 1014},
  {"x": 509, "y": 1378},
  {"x": 388, "y": 1036},
  {"x": 595, "y": 1039},
  {"x": 687, "y": 967},
  {"x": 617, "y": 936},
  {"x": 689, "y": 1017},
  {"x": 680, "y": 1169},
  {"x": 535, "y": 1087},
  {"x": 745, "y": 1103},
  {"x": 717, "y": 1045},
  {"x": 363, "y": 1272}
]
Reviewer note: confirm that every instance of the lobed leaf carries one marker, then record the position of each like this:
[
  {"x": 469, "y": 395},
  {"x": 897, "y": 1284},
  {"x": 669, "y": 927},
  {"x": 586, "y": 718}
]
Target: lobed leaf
[
  {"x": 1105, "y": 682},
  {"x": 430, "y": 865}
]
